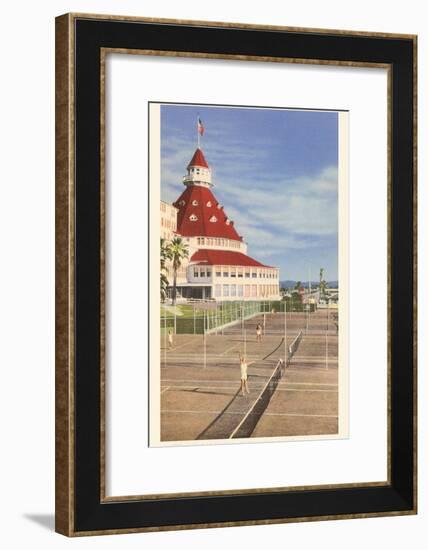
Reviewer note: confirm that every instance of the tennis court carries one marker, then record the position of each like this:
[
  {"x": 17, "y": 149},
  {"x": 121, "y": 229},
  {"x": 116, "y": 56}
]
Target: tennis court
[{"x": 200, "y": 380}]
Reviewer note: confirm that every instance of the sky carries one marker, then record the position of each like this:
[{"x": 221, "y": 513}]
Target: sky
[{"x": 275, "y": 173}]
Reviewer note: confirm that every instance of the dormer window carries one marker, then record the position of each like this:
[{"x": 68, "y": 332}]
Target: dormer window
[
  {"x": 195, "y": 203},
  {"x": 209, "y": 204},
  {"x": 193, "y": 218},
  {"x": 182, "y": 203},
  {"x": 227, "y": 222},
  {"x": 213, "y": 219}
]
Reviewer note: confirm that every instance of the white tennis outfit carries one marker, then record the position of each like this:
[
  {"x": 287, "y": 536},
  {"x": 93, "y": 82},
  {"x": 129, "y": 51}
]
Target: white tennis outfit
[{"x": 243, "y": 370}]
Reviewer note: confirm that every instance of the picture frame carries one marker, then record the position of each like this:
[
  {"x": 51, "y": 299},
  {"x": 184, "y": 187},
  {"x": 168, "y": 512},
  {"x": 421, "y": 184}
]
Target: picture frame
[{"x": 82, "y": 505}]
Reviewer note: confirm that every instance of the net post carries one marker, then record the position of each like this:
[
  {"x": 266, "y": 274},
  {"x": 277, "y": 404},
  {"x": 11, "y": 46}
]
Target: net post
[
  {"x": 326, "y": 338},
  {"x": 205, "y": 342},
  {"x": 285, "y": 335},
  {"x": 165, "y": 336}
]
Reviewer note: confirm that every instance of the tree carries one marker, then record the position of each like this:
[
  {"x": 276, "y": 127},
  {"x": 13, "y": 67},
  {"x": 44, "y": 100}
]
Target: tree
[
  {"x": 298, "y": 285},
  {"x": 323, "y": 284},
  {"x": 165, "y": 255},
  {"x": 179, "y": 251}
]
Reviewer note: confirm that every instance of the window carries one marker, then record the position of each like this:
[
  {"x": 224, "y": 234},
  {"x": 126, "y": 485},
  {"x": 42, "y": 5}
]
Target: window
[
  {"x": 240, "y": 290},
  {"x": 218, "y": 291},
  {"x": 225, "y": 290},
  {"x": 193, "y": 218},
  {"x": 225, "y": 274},
  {"x": 195, "y": 203},
  {"x": 233, "y": 272},
  {"x": 227, "y": 221},
  {"x": 213, "y": 219},
  {"x": 254, "y": 274},
  {"x": 233, "y": 290},
  {"x": 209, "y": 273},
  {"x": 218, "y": 273},
  {"x": 253, "y": 290},
  {"x": 247, "y": 274},
  {"x": 196, "y": 272},
  {"x": 240, "y": 273},
  {"x": 202, "y": 273},
  {"x": 202, "y": 240},
  {"x": 209, "y": 204},
  {"x": 247, "y": 290}
]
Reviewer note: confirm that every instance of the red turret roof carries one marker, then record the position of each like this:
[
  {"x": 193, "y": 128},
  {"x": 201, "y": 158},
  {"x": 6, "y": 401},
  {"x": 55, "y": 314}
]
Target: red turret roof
[
  {"x": 224, "y": 257},
  {"x": 211, "y": 220},
  {"x": 198, "y": 159}
]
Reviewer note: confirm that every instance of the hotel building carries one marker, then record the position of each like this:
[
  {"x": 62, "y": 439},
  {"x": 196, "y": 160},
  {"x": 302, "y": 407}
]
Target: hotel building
[{"x": 218, "y": 266}]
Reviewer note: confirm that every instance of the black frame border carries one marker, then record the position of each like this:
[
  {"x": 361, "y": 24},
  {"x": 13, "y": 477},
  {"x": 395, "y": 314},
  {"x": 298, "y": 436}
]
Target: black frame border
[{"x": 91, "y": 515}]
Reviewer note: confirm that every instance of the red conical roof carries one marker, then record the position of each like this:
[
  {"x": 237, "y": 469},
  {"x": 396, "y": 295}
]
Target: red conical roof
[
  {"x": 200, "y": 215},
  {"x": 224, "y": 257},
  {"x": 198, "y": 159}
]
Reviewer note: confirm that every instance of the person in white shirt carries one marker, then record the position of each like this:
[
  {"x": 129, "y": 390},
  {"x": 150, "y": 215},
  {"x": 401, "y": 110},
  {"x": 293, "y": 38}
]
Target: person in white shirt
[{"x": 244, "y": 374}]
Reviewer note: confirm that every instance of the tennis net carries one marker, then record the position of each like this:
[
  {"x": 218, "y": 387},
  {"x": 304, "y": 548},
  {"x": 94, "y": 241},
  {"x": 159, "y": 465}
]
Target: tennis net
[{"x": 248, "y": 423}]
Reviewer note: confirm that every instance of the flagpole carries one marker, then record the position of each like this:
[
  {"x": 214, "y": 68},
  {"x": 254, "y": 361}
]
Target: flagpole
[{"x": 197, "y": 131}]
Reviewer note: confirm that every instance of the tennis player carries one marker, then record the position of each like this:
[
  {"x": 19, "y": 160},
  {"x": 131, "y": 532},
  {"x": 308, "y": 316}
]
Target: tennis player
[
  {"x": 259, "y": 332},
  {"x": 244, "y": 374},
  {"x": 170, "y": 339}
]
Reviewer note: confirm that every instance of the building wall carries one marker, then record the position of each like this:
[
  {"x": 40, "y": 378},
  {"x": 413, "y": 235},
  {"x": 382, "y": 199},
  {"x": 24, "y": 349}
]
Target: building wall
[
  {"x": 218, "y": 243},
  {"x": 237, "y": 282},
  {"x": 168, "y": 220}
]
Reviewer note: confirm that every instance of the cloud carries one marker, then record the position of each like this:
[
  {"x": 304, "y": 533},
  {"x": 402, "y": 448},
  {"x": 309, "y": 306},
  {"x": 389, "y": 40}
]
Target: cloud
[{"x": 275, "y": 213}]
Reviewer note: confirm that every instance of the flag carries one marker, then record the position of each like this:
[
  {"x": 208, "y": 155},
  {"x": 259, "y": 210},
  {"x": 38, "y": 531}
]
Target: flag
[{"x": 201, "y": 128}]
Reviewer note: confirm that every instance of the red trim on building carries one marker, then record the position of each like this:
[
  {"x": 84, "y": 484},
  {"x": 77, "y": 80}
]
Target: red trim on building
[
  {"x": 224, "y": 257},
  {"x": 198, "y": 159}
]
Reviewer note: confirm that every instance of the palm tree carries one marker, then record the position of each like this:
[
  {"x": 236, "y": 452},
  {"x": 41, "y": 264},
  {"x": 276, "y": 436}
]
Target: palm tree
[
  {"x": 323, "y": 284},
  {"x": 321, "y": 275},
  {"x": 165, "y": 255},
  {"x": 179, "y": 251}
]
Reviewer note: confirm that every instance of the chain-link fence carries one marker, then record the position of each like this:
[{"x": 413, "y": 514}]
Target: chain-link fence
[{"x": 203, "y": 317}]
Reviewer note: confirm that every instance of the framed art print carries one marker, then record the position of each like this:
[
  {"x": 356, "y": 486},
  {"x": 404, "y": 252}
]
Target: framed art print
[
  {"x": 236, "y": 274},
  {"x": 233, "y": 312}
]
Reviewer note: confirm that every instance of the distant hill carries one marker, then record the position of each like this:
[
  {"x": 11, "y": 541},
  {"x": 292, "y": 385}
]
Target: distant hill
[{"x": 291, "y": 284}]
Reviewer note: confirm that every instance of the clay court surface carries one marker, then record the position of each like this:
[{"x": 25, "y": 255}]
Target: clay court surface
[{"x": 201, "y": 400}]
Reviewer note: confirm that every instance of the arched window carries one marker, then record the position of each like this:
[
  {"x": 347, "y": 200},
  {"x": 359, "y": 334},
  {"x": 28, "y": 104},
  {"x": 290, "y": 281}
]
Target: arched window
[
  {"x": 193, "y": 218},
  {"x": 213, "y": 219},
  {"x": 209, "y": 204},
  {"x": 195, "y": 203},
  {"x": 227, "y": 221}
]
